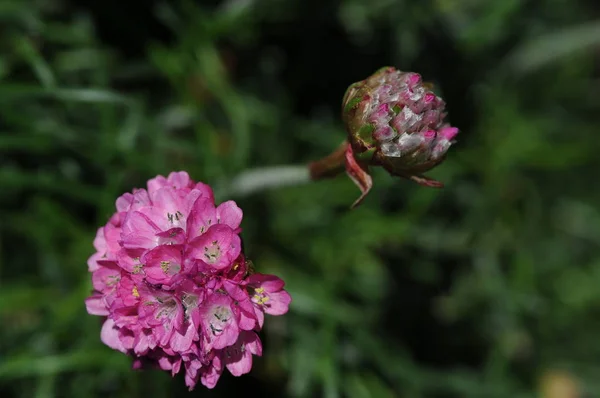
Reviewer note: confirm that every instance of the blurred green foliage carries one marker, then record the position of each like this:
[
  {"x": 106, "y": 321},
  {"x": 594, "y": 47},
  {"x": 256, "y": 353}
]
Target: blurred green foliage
[{"x": 475, "y": 291}]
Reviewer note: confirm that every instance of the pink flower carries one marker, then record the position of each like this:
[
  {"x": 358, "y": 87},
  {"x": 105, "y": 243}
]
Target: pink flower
[
  {"x": 268, "y": 296},
  {"x": 217, "y": 248},
  {"x": 164, "y": 264},
  {"x": 238, "y": 357},
  {"x": 176, "y": 291},
  {"x": 219, "y": 322}
]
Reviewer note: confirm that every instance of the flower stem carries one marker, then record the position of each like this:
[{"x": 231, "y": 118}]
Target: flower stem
[
  {"x": 329, "y": 166},
  {"x": 260, "y": 179},
  {"x": 256, "y": 180}
]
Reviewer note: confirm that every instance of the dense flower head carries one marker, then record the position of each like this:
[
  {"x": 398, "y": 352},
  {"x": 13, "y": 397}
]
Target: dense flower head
[
  {"x": 176, "y": 291},
  {"x": 394, "y": 120},
  {"x": 399, "y": 115}
]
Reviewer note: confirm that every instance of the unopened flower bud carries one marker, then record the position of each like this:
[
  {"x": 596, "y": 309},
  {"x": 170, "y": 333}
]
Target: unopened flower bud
[{"x": 394, "y": 120}]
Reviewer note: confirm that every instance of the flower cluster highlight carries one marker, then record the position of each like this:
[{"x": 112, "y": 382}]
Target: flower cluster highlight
[{"x": 172, "y": 281}]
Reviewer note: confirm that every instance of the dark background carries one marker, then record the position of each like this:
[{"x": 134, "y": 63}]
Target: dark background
[{"x": 487, "y": 288}]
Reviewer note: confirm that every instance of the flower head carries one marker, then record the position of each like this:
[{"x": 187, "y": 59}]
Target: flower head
[
  {"x": 394, "y": 120},
  {"x": 176, "y": 291}
]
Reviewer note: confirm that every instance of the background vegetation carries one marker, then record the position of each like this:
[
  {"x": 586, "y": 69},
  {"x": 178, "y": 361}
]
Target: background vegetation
[{"x": 488, "y": 288}]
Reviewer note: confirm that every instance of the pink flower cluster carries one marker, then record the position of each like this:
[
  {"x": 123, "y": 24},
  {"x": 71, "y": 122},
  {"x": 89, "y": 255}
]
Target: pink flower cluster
[{"x": 170, "y": 277}]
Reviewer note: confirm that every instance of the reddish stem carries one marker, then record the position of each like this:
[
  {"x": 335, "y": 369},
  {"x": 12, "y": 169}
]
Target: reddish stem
[{"x": 329, "y": 166}]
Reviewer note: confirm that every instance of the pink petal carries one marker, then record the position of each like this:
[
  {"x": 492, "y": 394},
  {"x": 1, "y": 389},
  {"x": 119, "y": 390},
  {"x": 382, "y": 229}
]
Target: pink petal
[
  {"x": 182, "y": 342},
  {"x": 127, "y": 290},
  {"x": 226, "y": 338},
  {"x": 241, "y": 363},
  {"x": 206, "y": 191},
  {"x": 173, "y": 236},
  {"x": 179, "y": 179},
  {"x": 210, "y": 375},
  {"x": 260, "y": 316},
  {"x": 202, "y": 216},
  {"x": 99, "y": 241},
  {"x": 254, "y": 345},
  {"x": 141, "y": 345},
  {"x": 229, "y": 213},
  {"x": 124, "y": 317},
  {"x": 270, "y": 283},
  {"x": 156, "y": 183},
  {"x": 129, "y": 260},
  {"x": 176, "y": 366},
  {"x": 143, "y": 342},
  {"x": 247, "y": 319},
  {"x": 238, "y": 357},
  {"x": 171, "y": 205},
  {"x": 132, "y": 201},
  {"x": 123, "y": 202},
  {"x": 127, "y": 337},
  {"x": 190, "y": 199},
  {"x": 166, "y": 363},
  {"x": 95, "y": 305},
  {"x": 110, "y": 336},
  {"x": 93, "y": 261},
  {"x": 139, "y": 231},
  {"x": 243, "y": 309},
  {"x": 448, "y": 132},
  {"x": 278, "y": 303},
  {"x": 106, "y": 277},
  {"x": 235, "y": 291},
  {"x": 112, "y": 236}
]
